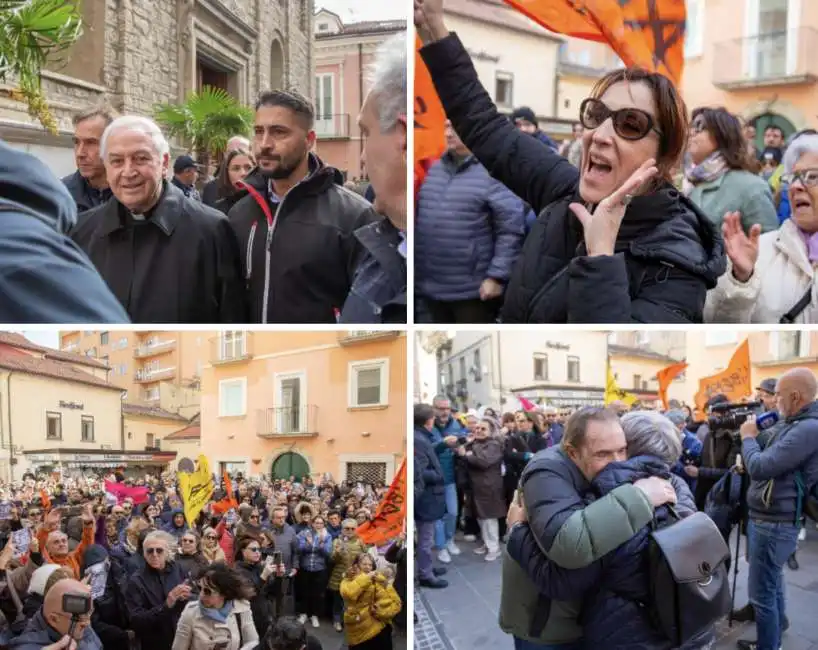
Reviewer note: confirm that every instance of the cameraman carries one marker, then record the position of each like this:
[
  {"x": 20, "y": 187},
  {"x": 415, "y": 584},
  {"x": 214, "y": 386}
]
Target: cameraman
[{"x": 773, "y": 499}]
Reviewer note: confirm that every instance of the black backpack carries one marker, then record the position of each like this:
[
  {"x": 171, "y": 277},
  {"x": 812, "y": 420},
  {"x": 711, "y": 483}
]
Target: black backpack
[{"x": 689, "y": 587}]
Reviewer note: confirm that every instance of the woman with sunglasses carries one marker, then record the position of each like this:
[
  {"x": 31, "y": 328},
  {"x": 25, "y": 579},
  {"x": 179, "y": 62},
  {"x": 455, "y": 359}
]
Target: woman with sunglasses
[
  {"x": 221, "y": 618},
  {"x": 484, "y": 457},
  {"x": 346, "y": 547},
  {"x": 264, "y": 575},
  {"x": 189, "y": 558},
  {"x": 210, "y": 548},
  {"x": 771, "y": 278},
  {"x": 614, "y": 242},
  {"x": 720, "y": 177}
]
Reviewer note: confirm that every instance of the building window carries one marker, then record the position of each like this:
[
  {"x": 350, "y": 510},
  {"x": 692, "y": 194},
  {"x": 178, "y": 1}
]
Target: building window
[
  {"x": 371, "y": 473},
  {"x": 233, "y": 397},
  {"x": 323, "y": 27},
  {"x": 642, "y": 337},
  {"x": 123, "y": 343},
  {"x": 790, "y": 345},
  {"x": 573, "y": 369},
  {"x": 369, "y": 383},
  {"x": 92, "y": 352},
  {"x": 53, "y": 425},
  {"x": 87, "y": 428},
  {"x": 694, "y": 29},
  {"x": 233, "y": 345},
  {"x": 462, "y": 364},
  {"x": 451, "y": 374},
  {"x": 149, "y": 440},
  {"x": 637, "y": 381},
  {"x": 152, "y": 394},
  {"x": 123, "y": 369},
  {"x": 324, "y": 104},
  {"x": 713, "y": 338},
  {"x": 540, "y": 366},
  {"x": 504, "y": 89},
  {"x": 103, "y": 338},
  {"x": 478, "y": 368}
]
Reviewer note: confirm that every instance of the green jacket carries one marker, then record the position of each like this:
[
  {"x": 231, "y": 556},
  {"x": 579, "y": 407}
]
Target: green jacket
[
  {"x": 586, "y": 536},
  {"x": 737, "y": 191}
]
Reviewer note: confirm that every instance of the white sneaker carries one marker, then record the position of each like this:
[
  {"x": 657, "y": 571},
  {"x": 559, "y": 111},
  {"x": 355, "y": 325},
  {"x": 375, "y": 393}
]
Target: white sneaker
[
  {"x": 453, "y": 548},
  {"x": 339, "y": 627},
  {"x": 302, "y": 619},
  {"x": 802, "y": 534},
  {"x": 491, "y": 556},
  {"x": 314, "y": 621},
  {"x": 469, "y": 538},
  {"x": 444, "y": 556},
  {"x": 481, "y": 550}
]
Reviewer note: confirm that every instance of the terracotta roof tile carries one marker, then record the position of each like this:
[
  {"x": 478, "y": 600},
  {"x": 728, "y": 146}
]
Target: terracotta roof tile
[
  {"x": 151, "y": 411},
  {"x": 193, "y": 432},
  {"x": 20, "y": 341},
  {"x": 13, "y": 359}
]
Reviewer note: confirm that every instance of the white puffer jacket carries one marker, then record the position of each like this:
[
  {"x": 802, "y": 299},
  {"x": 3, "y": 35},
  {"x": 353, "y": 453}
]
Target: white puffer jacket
[
  {"x": 782, "y": 275},
  {"x": 198, "y": 632}
]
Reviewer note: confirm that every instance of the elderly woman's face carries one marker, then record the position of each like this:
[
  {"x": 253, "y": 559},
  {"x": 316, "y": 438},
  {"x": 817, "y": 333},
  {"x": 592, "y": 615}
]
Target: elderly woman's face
[
  {"x": 803, "y": 199},
  {"x": 482, "y": 430},
  {"x": 608, "y": 159}
]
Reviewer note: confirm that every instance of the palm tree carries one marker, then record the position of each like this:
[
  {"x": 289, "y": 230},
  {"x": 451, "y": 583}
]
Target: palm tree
[
  {"x": 206, "y": 121},
  {"x": 31, "y": 33}
]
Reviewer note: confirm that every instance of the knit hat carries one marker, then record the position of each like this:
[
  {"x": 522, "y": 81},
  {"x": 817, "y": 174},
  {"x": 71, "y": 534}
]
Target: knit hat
[
  {"x": 524, "y": 113},
  {"x": 40, "y": 577},
  {"x": 94, "y": 554},
  {"x": 182, "y": 163}
]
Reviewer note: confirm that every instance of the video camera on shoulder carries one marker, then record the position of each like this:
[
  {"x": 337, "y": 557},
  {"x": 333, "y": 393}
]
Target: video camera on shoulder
[{"x": 729, "y": 416}]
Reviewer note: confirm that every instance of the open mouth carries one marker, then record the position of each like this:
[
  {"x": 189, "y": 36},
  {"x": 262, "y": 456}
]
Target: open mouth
[
  {"x": 598, "y": 167},
  {"x": 801, "y": 202}
]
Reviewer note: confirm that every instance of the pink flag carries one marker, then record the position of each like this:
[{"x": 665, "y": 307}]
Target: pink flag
[
  {"x": 527, "y": 404},
  {"x": 122, "y": 492}
]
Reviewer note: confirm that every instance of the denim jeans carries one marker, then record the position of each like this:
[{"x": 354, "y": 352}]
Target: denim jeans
[
  {"x": 521, "y": 644},
  {"x": 337, "y": 607},
  {"x": 423, "y": 552},
  {"x": 444, "y": 528},
  {"x": 770, "y": 544}
]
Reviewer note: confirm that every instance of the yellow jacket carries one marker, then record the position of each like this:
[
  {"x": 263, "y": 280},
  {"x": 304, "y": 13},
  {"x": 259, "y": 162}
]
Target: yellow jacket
[{"x": 371, "y": 604}]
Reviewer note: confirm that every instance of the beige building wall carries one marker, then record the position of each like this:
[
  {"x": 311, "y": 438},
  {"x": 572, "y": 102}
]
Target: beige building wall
[
  {"x": 183, "y": 448},
  {"x": 138, "y": 428}
]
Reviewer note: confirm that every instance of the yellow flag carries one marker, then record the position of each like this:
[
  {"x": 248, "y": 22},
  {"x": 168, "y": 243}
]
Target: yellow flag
[
  {"x": 196, "y": 489},
  {"x": 613, "y": 393}
]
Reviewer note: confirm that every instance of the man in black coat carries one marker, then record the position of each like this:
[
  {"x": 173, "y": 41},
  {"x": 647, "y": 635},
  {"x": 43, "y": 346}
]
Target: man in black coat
[
  {"x": 430, "y": 499},
  {"x": 89, "y": 184},
  {"x": 166, "y": 258},
  {"x": 296, "y": 226}
]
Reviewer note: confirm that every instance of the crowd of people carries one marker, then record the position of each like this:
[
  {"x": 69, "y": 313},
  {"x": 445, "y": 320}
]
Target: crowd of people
[
  {"x": 83, "y": 569},
  {"x": 274, "y": 237},
  {"x": 569, "y": 500},
  {"x": 647, "y": 214}
]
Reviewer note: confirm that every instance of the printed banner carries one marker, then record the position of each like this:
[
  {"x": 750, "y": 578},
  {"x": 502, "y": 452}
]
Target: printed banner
[
  {"x": 387, "y": 524},
  {"x": 121, "y": 492},
  {"x": 22, "y": 540},
  {"x": 647, "y": 33},
  {"x": 430, "y": 141},
  {"x": 196, "y": 489},
  {"x": 5, "y": 510},
  {"x": 666, "y": 376},
  {"x": 613, "y": 393},
  {"x": 733, "y": 382}
]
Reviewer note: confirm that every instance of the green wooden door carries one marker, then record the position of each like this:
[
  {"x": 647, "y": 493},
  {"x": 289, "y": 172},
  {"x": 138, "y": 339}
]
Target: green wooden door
[{"x": 290, "y": 464}]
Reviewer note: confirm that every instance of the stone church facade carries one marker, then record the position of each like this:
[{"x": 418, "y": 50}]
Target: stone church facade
[{"x": 134, "y": 54}]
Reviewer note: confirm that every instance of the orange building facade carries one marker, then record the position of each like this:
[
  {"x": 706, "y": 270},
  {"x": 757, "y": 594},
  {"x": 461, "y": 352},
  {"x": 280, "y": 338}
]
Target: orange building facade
[{"x": 296, "y": 403}]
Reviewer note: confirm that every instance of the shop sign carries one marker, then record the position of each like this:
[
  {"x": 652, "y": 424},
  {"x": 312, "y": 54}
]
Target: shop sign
[
  {"x": 557, "y": 345},
  {"x": 77, "y": 406}
]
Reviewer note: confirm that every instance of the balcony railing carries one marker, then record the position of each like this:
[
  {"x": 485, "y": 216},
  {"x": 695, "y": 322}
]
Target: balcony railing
[
  {"x": 363, "y": 336},
  {"x": 775, "y": 59},
  {"x": 231, "y": 348},
  {"x": 288, "y": 421},
  {"x": 145, "y": 375},
  {"x": 329, "y": 127},
  {"x": 152, "y": 348}
]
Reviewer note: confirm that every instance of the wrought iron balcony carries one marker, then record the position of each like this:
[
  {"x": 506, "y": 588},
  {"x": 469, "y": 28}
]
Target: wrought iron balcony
[
  {"x": 776, "y": 59},
  {"x": 288, "y": 422},
  {"x": 152, "y": 348},
  {"x": 231, "y": 347},
  {"x": 147, "y": 375},
  {"x": 364, "y": 336},
  {"x": 332, "y": 127}
]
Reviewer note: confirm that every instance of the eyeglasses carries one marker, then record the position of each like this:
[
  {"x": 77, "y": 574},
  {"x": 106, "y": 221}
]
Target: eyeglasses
[
  {"x": 808, "y": 177},
  {"x": 188, "y": 541},
  {"x": 348, "y": 528},
  {"x": 34, "y": 513},
  {"x": 210, "y": 537},
  {"x": 254, "y": 516},
  {"x": 208, "y": 591},
  {"x": 154, "y": 551},
  {"x": 254, "y": 549},
  {"x": 697, "y": 126},
  {"x": 629, "y": 123}
]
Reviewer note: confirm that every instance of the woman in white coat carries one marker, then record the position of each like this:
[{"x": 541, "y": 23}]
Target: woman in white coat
[
  {"x": 771, "y": 277},
  {"x": 221, "y": 618}
]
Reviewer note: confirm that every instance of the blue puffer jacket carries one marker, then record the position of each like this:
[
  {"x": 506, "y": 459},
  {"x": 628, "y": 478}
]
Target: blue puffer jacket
[
  {"x": 468, "y": 227},
  {"x": 444, "y": 453},
  {"x": 611, "y": 588}
]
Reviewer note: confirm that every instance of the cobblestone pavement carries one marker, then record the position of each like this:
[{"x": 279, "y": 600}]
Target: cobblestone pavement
[{"x": 464, "y": 615}]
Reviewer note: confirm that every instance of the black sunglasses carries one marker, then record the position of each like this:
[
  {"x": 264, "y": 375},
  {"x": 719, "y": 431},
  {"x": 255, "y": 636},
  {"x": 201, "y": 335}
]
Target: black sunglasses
[
  {"x": 154, "y": 551},
  {"x": 629, "y": 123}
]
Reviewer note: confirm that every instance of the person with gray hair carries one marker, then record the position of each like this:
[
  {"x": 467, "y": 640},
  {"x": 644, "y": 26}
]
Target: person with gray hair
[
  {"x": 166, "y": 258},
  {"x": 378, "y": 293},
  {"x": 771, "y": 277},
  {"x": 649, "y": 433},
  {"x": 89, "y": 184}
]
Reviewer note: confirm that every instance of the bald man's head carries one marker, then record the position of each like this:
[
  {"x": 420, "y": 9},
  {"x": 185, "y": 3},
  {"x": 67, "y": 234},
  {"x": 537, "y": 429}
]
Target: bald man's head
[
  {"x": 795, "y": 390},
  {"x": 57, "y": 617}
]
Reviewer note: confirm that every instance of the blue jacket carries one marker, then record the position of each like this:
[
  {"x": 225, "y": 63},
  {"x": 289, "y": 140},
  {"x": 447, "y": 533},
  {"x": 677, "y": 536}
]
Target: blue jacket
[
  {"x": 794, "y": 449},
  {"x": 313, "y": 556},
  {"x": 468, "y": 227},
  {"x": 691, "y": 455},
  {"x": 430, "y": 498},
  {"x": 41, "y": 267},
  {"x": 784, "y": 209},
  {"x": 611, "y": 588},
  {"x": 444, "y": 453}
]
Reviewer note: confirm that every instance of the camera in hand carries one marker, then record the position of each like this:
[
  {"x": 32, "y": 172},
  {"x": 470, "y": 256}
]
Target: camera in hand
[
  {"x": 730, "y": 416},
  {"x": 76, "y": 605},
  {"x": 462, "y": 440}
]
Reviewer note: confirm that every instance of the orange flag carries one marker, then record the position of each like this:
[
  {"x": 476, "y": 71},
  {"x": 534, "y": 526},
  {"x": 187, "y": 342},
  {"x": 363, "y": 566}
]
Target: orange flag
[
  {"x": 228, "y": 485},
  {"x": 734, "y": 382},
  {"x": 45, "y": 500},
  {"x": 648, "y": 33},
  {"x": 667, "y": 375},
  {"x": 227, "y": 503},
  {"x": 429, "y": 119},
  {"x": 387, "y": 523}
]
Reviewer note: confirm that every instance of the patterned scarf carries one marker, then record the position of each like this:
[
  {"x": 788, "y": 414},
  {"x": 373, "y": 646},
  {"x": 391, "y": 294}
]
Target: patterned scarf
[{"x": 710, "y": 169}]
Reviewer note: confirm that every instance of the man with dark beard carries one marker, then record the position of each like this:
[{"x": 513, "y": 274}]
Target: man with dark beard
[{"x": 296, "y": 225}]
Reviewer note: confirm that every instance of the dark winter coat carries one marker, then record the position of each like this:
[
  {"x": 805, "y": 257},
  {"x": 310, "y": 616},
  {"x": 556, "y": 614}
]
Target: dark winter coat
[
  {"x": 484, "y": 459},
  {"x": 180, "y": 265},
  {"x": 516, "y": 454},
  {"x": 667, "y": 255},
  {"x": 612, "y": 587},
  {"x": 298, "y": 254},
  {"x": 39, "y": 634},
  {"x": 110, "y": 618},
  {"x": 261, "y": 603},
  {"x": 41, "y": 267},
  {"x": 85, "y": 196},
  {"x": 396, "y": 554},
  {"x": 191, "y": 565},
  {"x": 468, "y": 227},
  {"x": 719, "y": 451},
  {"x": 153, "y": 622},
  {"x": 430, "y": 497}
]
